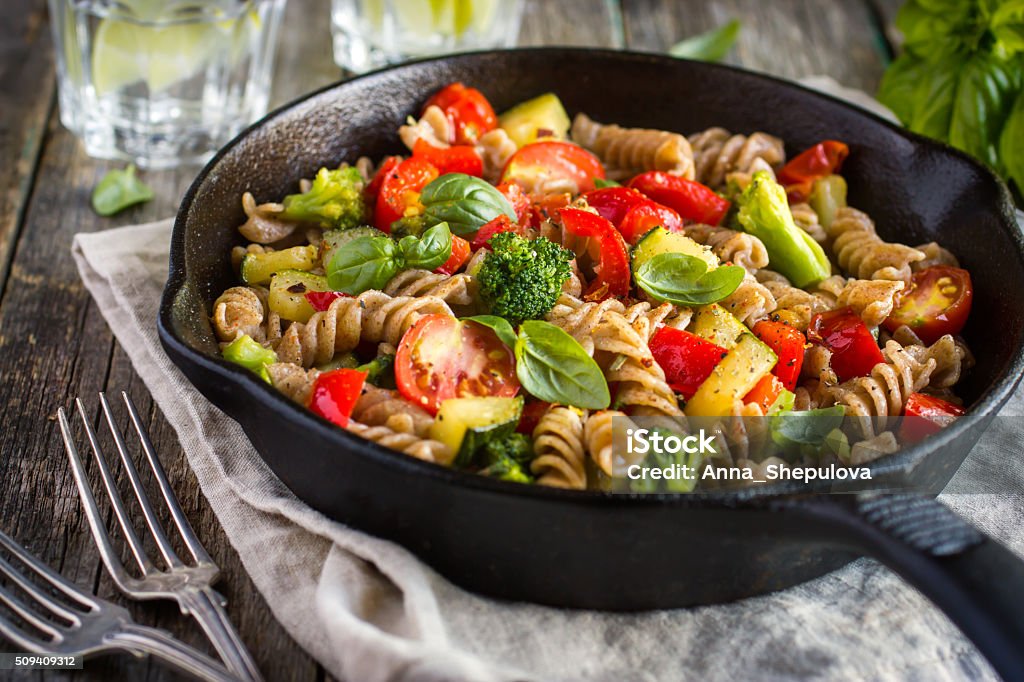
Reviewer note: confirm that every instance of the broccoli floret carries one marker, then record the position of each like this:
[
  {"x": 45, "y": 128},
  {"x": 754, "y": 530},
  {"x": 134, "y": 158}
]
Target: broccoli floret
[
  {"x": 380, "y": 371},
  {"x": 521, "y": 278},
  {"x": 335, "y": 199},
  {"x": 506, "y": 459},
  {"x": 411, "y": 225}
]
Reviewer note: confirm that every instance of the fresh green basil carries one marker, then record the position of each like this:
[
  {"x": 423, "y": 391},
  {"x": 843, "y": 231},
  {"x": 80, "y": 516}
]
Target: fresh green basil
[
  {"x": 934, "y": 97},
  {"x": 1011, "y": 144},
  {"x": 1008, "y": 27},
  {"x": 983, "y": 102},
  {"x": 465, "y": 202},
  {"x": 118, "y": 190},
  {"x": 932, "y": 29},
  {"x": 428, "y": 251},
  {"x": 807, "y": 428},
  {"x": 552, "y": 366},
  {"x": 500, "y": 326},
  {"x": 711, "y": 46},
  {"x": 899, "y": 84},
  {"x": 365, "y": 263},
  {"x": 685, "y": 280}
]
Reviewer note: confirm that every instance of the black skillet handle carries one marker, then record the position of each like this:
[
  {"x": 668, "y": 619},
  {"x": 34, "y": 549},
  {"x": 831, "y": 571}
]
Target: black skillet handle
[{"x": 976, "y": 581}]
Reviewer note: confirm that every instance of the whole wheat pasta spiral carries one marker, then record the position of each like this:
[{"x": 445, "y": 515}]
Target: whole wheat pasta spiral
[
  {"x": 263, "y": 223},
  {"x": 421, "y": 448},
  {"x": 738, "y": 248},
  {"x": 558, "y": 445},
  {"x": 934, "y": 255},
  {"x": 372, "y": 316},
  {"x": 433, "y": 127},
  {"x": 381, "y": 407},
  {"x": 752, "y": 301},
  {"x": 495, "y": 148},
  {"x": 793, "y": 305},
  {"x": 717, "y": 153},
  {"x": 884, "y": 393},
  {"x": 603, "y": 442},
  {"x": 871, "y": 299},
  {"x": 237, "y": 312},
  {"x": 294, "y": 381},
  {"x": 951, "y": 355},
  {"x": 870, "y": 449},
  {"x": 862, "y": 253},
  {"x": 455, "y": 290},
  {"x": 628, "y": 151}
]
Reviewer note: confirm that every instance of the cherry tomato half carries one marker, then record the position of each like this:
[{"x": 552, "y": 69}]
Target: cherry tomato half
[
  {"x": 612, "y": 269},
  {"x": 441, "y": 357},
  {"x": 460, "y": 254},
  {"x": 519, "y": 200},
  {"x": 469, "y": 112},
  {"x": 400, "y": 191},
  {"x": 646, "y": 215},
  {"x": 500, "y": 224},
  {"x": 854, "y": 350},
  {"x": 451, "y": 159},
  {"x": 937, "y": 303},
  {"x": 372, "y": 189},
  {"x": 553, "y": 160},
  {"x": 690, "y": 199},
  {"x": 925, "y": 415},
  {"x": 613, "y": 203}
]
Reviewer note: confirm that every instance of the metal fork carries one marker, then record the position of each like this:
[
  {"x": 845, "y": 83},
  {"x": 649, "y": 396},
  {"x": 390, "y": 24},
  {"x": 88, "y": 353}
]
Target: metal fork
[
  {"x": 189, "y": 585},
  {"x": 83, "y": 624}
]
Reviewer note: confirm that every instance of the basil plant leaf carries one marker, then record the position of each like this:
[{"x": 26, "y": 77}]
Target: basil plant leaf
[
  {"x": 1011, "y": 148},
  {"x": 552, "y": 366},
  {"x": 711, "y": 46},
  {"x": 934, "y": 96},
  {"x": 899, "y": 84},
  {"x": 118, "y": 190},
  {"x": 428, "y": 251},
  {"x": 685, "y": 280},
  {"x": 465, "y": 202},
  {"x": 987, "y": 88},
  {"x": 500, "y": 326},
  {"x": 807, "y": 428},
  {"x": 1008, "y": 26},
  {"x": 365, "y": 263}
]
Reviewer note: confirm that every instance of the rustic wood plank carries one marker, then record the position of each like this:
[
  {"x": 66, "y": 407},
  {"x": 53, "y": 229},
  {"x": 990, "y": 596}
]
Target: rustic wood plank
[
  {"x": 788, "y": 38},
  {"x": 26, "y": 97},
  {"x": 585, "y": 23}
]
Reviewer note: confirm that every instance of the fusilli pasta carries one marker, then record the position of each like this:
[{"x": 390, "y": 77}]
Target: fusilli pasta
[{"x": 628, "y": 151}]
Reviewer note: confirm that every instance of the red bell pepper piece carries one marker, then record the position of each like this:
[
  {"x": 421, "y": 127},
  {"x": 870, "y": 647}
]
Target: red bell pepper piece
[
  {"x": 500, "y": 224},
  {"x": 925, "y": 415},
  {"x": 788, "y": 344},
  {"x": 460, "y": 254},
  {"x": 646, "y": 215},
  {"x": 322, "y": 300},
  {"x": 613, "y": 276},
  {"x": 469, "y": 112},
  {"x": 765, "y": 392},
  {"x": 691, "y": 200},
  {"x": 854, "y": 350},
  {"x": 335, "y": 394},
  {"x": 458, "y": 159},
  {"x": 372, "y": 188},
  {"x": 613, "y": 203},
  {"x": 824, "y": 158},
  {"x": 686, "y": 358}
]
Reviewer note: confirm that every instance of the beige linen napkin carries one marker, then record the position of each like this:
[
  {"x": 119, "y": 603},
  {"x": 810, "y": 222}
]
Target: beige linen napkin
[{"x": 369, "y": 610}]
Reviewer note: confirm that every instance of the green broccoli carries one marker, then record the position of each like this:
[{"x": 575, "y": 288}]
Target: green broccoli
[
  {"x": 335, "y": 199},
  {"x": 521, "y": 278},
  {"x": 380, "y": 371},
  {"x": 245, "y": 351},
  {"x": 507, "y": 459},
  {"x": 411, "y": 225}
]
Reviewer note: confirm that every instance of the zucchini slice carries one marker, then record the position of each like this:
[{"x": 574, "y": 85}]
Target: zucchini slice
[
  {"x": 258, "y": 268},
  {"x": 732, "y": 378},
  {"x": 717, "y": 325},
  {"x": 659, "y": 240},
  {"x": 288, "y": 294},
  {"x": 465, "y": 425}
]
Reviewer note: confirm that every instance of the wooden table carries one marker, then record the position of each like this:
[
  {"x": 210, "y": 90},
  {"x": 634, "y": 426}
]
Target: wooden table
[{"x": 54, "y": 345}]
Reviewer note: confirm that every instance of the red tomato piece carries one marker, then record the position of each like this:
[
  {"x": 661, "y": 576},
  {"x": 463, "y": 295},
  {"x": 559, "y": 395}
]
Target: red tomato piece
[
  {"x": 387, "y": 166},
  {"x": 469, "y": 112},
  {"x": 400, "y": 191},
  {"x": 686, "y": 358},
  {"x": 500, "y": 224},
  {"x": 613, "y": 203},
  {"x": 335, "y": 394},
  {"x": 459, "y": 159},
  {"x": 441, "y": 357},
  {"x": 612, "y": 269},
  {"x": 765, "y": 392},
  {"x": 460, "y": 254},
  {"x": 937, "y": 303},
  {"x": 532, "y": 412},
  {"x": 925, "y": 415},
  {"x": 322, "y": 300},
  {"x": 519, "y": 200},
  {"x": 646, "y": 215},
  {"x": 854, "y": 350},
  {"x": 788, "y": 344},
  {"x": 824, "y": 158},
  {"x": 690, "y": 199},
  {"x": 546, "y": 207},
  {"x": 553, "y": 160}
]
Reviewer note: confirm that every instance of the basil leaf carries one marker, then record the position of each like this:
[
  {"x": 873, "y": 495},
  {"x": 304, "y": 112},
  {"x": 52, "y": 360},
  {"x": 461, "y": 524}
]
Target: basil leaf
[
  {"x": 983, "y": 102},
  {"x": 428, "y": 251},
  {"x": 934, "y": 97},
  {"x": 899, "y": 84},
  {"x": 685, "y": 280},
  {"x": 464, "y": 202},
  {"x": 711, "y": 46},
  {"x": 795, "y": 429},
  {"x": 118, "y": 190},
  {"x": 1011, "y": 146},
  {"x": 500, "y": 326},
  {"x": 934, "y": 29},
  {"x": 365, "y": 263},
  {"x": 601, "y": 183},
  {"x": 1008, "y": 26},
  {"x": 552, "y": 366}
]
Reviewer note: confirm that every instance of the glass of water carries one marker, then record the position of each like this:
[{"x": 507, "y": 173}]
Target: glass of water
[
  {"x": 162, "y": 83},
  {"x": 371, "y": 33}
]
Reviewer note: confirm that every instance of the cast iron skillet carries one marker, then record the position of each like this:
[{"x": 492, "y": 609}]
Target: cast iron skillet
[{"x": 596, "y": 550}]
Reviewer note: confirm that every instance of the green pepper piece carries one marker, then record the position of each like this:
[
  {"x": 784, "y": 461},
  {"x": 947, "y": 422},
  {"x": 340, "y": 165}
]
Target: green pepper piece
[{"x": 246, "y": 352}]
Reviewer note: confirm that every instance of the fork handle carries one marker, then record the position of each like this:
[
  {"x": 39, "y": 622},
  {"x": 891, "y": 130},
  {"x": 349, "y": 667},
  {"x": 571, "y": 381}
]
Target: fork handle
[
  {"x": 206, "y": 605},
  {"x": 140, "y": 639}
]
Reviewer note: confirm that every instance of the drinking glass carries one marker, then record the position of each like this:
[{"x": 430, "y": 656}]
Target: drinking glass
[
  {"x": 162, "y": 83},
  {"x": 371, "y": 33}
]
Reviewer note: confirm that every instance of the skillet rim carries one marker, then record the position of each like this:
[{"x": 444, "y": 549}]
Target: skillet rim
[{"x": 903, "y": 461}]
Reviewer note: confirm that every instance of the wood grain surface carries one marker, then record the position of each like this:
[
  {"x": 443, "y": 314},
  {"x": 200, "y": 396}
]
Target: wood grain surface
[{"x": 54, "y": 345}]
